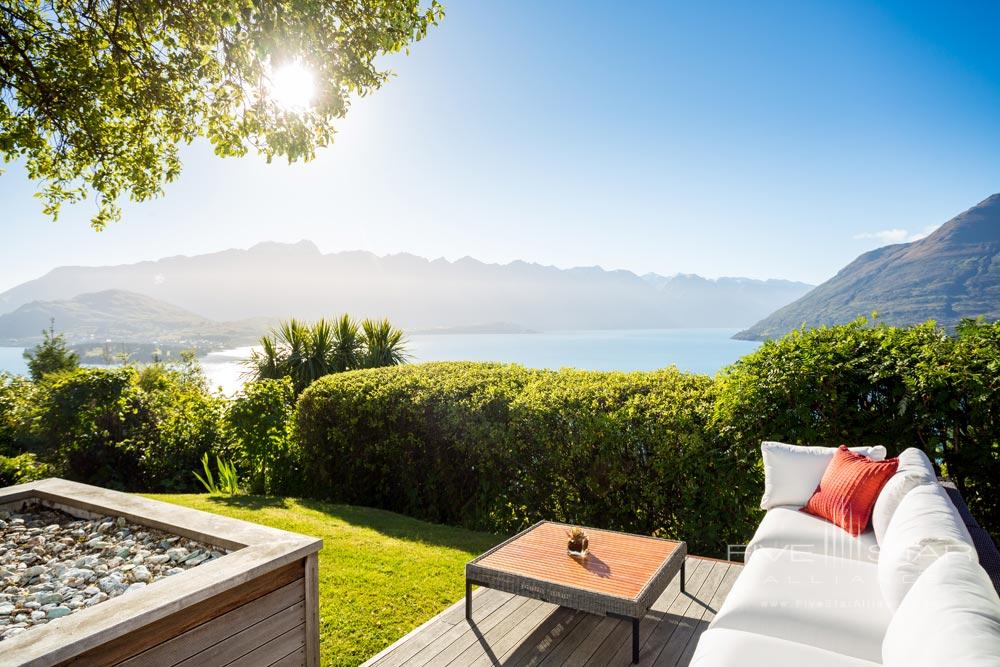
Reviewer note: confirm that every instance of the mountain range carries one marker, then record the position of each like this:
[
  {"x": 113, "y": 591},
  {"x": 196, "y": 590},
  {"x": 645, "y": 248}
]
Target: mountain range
[
  {"x": 953, "y": 273},
  {"x": 276, "y": 280}
]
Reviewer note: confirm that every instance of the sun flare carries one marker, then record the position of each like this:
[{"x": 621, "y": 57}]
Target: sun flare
[{"x": 291, "y": 86}]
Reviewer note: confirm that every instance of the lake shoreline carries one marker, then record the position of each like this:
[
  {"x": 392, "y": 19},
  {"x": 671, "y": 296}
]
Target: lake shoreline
[{"x": 703, "y": 351}]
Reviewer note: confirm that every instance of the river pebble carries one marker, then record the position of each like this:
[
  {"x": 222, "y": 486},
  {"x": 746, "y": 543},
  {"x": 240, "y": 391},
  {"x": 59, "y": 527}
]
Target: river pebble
[{"x": 53, "y": 564}]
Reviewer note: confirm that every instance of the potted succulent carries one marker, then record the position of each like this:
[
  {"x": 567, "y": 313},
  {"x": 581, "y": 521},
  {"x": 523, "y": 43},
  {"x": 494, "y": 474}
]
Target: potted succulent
[{"x": 577, "y": 542}]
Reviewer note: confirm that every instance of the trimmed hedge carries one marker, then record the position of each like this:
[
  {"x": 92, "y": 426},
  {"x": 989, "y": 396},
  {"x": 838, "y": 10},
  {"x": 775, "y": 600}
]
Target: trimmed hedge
[{"x": 497, "y": 447}]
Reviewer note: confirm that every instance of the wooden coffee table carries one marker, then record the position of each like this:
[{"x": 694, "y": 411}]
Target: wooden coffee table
[{"x": 621, "y": 576}]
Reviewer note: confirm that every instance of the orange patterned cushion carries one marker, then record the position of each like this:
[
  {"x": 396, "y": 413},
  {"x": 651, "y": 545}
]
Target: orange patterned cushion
[{"x": 849, "y": 489}]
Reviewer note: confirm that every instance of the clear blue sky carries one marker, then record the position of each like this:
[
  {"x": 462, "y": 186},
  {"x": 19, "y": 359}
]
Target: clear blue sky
[{"x": 758, "y": 139}]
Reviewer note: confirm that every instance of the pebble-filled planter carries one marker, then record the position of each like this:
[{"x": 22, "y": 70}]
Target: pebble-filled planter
[
  {"x": 52, "y": 563},
  {"x": 99, "y": 577}
]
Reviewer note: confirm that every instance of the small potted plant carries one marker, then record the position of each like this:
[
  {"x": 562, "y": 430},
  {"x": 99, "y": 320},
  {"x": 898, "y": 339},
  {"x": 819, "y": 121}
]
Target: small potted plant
[{"x": 577, "y": 542}]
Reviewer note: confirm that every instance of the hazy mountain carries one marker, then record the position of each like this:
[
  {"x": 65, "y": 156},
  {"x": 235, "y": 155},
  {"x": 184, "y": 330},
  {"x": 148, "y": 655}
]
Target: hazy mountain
[
  {"x": 281, "y": 280},
  {"x": 122, "y": 316},
  {"x": 951, "y": 274},
  {"x": 725, "y": 301}
]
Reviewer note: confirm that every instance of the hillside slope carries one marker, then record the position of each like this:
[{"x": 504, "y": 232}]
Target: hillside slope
[
  {"x": 120, "y": 315},
  {"x": 952, "y": 274}
]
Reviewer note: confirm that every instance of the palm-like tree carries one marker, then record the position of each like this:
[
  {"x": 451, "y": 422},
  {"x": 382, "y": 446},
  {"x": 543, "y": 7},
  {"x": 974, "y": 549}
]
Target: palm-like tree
[
  {"x": 319, "y": 346},
  {"x": 265, "y": 363},
  {"x": 305, "y": 352},
  {"x": 384, "y": 344},
  {"x": 348, "y": 346},
  {"x": 294, "y": 349}
]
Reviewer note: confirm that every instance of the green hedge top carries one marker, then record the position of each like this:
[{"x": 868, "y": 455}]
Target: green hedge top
[{"x": 500, "y": 446}]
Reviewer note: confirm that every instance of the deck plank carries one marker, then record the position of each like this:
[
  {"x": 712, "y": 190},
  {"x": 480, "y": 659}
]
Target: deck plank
[
  {"x": 675, "y": 614},
  {"x": 586, "y": 648},
  {"x": 449, "y": 646},
  {"x": 717, "y": 599},
  {"x": 496, "y": 652},
  {"x": 671, "y": 602},
  {"x": 481, "y": 643},
  {"x": 675, "y": 646},
  {"x": 561, "y": 653},
  {"x": 513, "y": 630},
  {"x": 485, "y": 601},
  {"x": 549, "y": 635}
]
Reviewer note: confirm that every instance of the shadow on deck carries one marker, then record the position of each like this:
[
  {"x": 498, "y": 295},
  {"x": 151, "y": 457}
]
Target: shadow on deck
[{"x": 512, "y": 630}]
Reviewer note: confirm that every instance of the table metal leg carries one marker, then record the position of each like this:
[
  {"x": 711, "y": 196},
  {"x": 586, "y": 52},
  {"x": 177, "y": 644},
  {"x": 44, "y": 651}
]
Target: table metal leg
[
  {"x": 683, "y": 575},
  {"x": 468, "y": 600},
  {"x": 635, "y": 640}
]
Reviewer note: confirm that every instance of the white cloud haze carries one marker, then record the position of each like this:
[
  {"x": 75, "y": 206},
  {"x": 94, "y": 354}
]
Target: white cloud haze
[{"x": 888, "y": 236}]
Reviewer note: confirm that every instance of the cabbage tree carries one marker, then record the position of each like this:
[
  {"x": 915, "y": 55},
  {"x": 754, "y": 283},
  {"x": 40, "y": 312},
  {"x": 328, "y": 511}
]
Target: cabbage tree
[{"x": 305, "y": 352}]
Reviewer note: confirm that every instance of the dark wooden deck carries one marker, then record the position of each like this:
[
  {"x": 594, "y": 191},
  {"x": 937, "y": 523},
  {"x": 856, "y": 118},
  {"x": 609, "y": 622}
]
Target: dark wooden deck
[{"x": 512, "y": 630}]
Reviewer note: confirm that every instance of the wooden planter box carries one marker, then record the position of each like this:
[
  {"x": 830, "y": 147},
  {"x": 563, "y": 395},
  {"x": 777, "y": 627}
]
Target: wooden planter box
[{"x": 257, "y": 605}]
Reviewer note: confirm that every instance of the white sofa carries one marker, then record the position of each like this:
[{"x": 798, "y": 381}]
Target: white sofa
[{"x": 812, "y": 594}]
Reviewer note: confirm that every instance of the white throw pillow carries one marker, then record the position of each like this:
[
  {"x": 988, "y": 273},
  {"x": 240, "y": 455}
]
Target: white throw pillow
[
  {"x": 923, "y": 528},
  {"x": 914, "y": 469},
  {"x": 951, "y": 616},
  {"x": 792, "y": 472}
]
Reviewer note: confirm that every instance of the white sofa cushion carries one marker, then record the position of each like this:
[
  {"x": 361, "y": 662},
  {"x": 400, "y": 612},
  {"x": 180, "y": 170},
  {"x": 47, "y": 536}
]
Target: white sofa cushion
[
  {"x": 914, "y": 469},
  {"x": 725, "y": 648},
  {"x": 923, "y": 528},
  {"x": 951, "y": 616},
  {"x": 791, "y": 528},
  {"x": 792, "y": 472},
  {"x": 823, "y": 601},
  {"x": 915, "y": 460}
]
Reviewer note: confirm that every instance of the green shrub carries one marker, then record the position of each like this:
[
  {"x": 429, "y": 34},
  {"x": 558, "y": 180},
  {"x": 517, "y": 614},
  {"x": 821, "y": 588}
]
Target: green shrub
[
  {"x": 180, "y": 422},
  {"x": 17, "y": 395},
  {"x": 51, "y": 355},
  {"x": 83, "y": 419},
  {"x": 22, "y": 468},
  {"x": 125, "y": 429},
  {"x": 851, "y": 383},
  {"x": 259, "y": 420},
  {"x": 972, "y": 393},
  {"x": 498, "y": 447}
]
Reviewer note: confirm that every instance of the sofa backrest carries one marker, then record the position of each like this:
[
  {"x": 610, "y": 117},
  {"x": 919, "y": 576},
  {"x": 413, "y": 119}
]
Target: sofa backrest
[
  {"x": 951, "y": 616},
  {"x": 989, "y": 555},
  {"x": 925, "y": 527}
]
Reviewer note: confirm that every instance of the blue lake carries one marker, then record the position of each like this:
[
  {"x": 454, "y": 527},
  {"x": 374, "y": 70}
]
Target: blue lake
[
  {"x": 693, "y": 350},
  {"x": 12, "y": 361}
]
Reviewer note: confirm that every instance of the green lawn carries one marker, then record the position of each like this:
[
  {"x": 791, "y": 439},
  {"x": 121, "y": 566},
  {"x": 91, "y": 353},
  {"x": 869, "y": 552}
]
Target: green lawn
[{"x": 380, "y": 574}]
